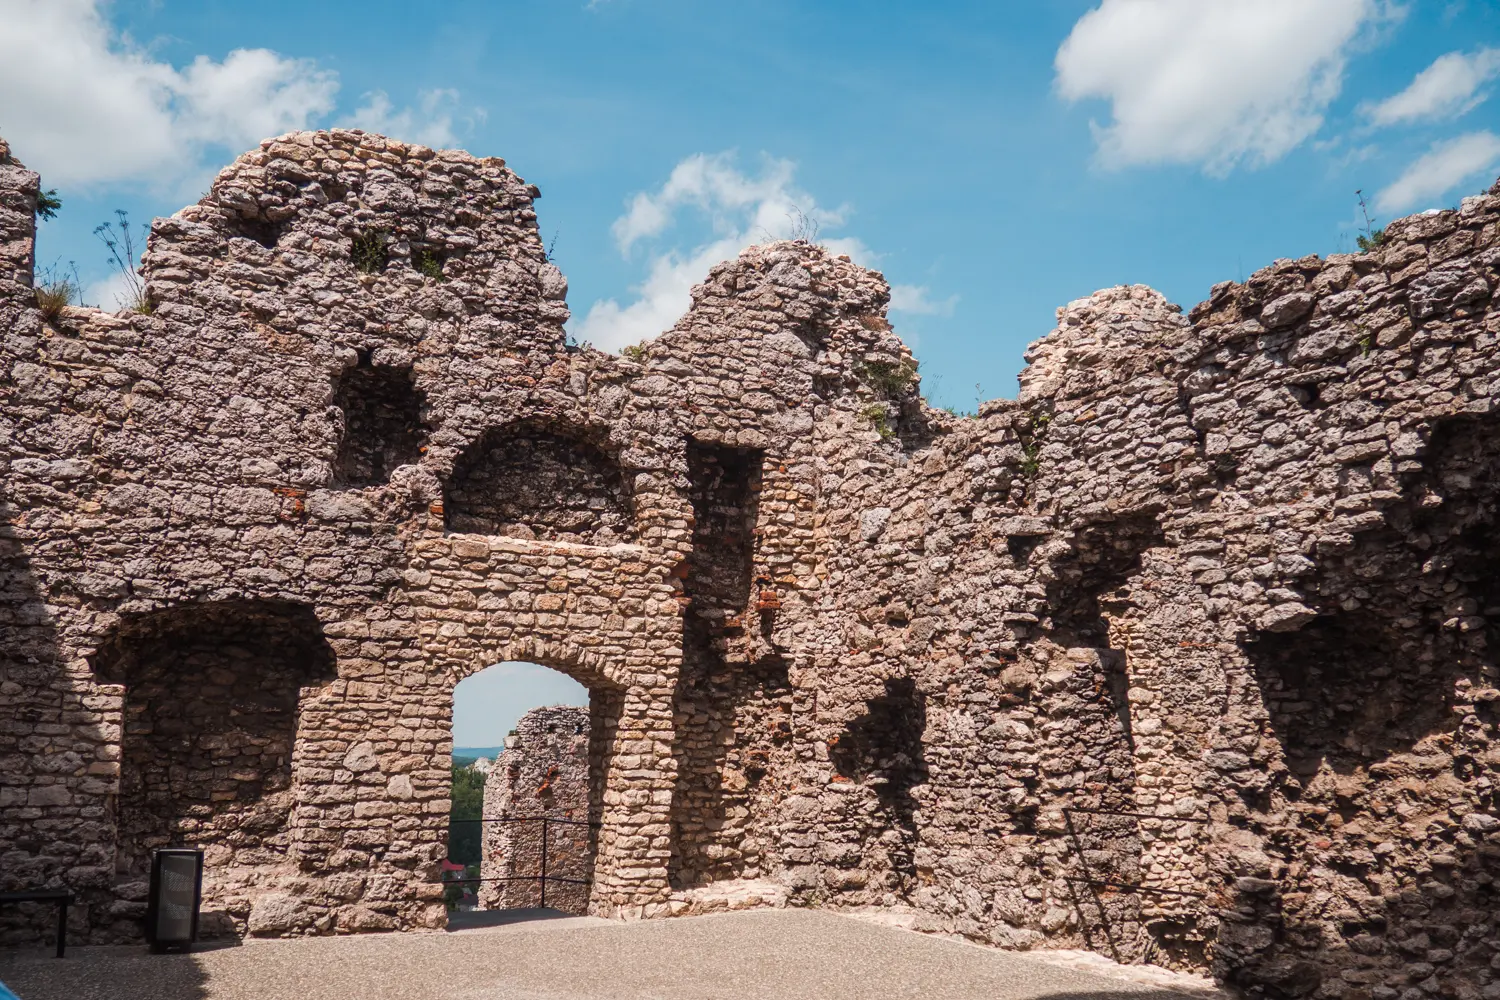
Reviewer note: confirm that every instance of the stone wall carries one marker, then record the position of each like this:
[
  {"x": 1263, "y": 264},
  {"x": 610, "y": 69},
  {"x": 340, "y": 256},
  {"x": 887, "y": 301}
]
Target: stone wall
[
  {"x": 543, "y": 772},
  {"x": 1206, "y": 610}
]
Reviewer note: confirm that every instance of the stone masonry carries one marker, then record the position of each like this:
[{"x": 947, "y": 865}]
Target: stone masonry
[
  {"x": 1184, "y": 655},
  {"x": 543, "y": 772}
]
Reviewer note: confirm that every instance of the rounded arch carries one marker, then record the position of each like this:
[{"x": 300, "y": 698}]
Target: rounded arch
[
  {"x": 543, "y": 479},
  {"x": 589, "y": 667}
]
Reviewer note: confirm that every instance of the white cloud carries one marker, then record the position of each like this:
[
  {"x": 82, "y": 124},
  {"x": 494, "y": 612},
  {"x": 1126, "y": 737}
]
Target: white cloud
[
  {"x": 1446, "y": 89},
  {"x": 732, "y": 200},
  {"x": 1442, "y": 168},
  {"x": 917, "y": 299},
  {"x": 740, "y": 210},
  {"x": 1211, "y": 83},
  {"x": 110, "y": 294},
  {"x": 85, "y": 107},
  {"x": 660, "y": 299},
  {"x": 430, "y": 124}
]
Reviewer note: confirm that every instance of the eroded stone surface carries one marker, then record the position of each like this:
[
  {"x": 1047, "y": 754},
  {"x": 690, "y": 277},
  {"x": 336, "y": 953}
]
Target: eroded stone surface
[
  {"x": 1232, "y": 571},
  {"x": 543, "y": 773}
]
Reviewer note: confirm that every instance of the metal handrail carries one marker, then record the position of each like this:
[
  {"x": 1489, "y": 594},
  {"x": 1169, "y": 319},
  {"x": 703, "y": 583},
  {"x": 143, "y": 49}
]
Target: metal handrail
[{"x": 543, "y": 877}]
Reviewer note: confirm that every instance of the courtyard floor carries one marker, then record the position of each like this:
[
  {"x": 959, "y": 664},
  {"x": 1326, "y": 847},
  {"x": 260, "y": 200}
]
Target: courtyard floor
[{"x": 781, "y": 954}]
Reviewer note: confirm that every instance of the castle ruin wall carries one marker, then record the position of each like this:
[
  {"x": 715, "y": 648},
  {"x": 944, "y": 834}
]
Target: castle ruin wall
[{"x": 1208, "y": 609}]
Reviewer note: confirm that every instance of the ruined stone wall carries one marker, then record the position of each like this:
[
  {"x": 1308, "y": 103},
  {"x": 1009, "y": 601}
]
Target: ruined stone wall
[
  {"x": 344, "y": 336},
  {"x": 1207, "y": 609},
  {"x": 543, "y": 772}
]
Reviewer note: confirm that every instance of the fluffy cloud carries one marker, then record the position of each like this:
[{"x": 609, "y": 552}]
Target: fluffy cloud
[
  {"x": 734, "y": 201},
  {"x": 1446, "y": 89},
  {"x": 111, "y": 293},
  {"x": 1214, "y": 84},
  {"x": 1474, "y": 156},
  {"x": 916, "y": 299},
  {"x": 740, "y": 209},
  {"x": 430, "y": 124},
  {"x": 86, "y": 107}
]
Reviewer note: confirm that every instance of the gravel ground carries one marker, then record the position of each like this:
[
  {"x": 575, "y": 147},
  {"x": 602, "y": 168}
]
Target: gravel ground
[{"x": 782, "y": 954}]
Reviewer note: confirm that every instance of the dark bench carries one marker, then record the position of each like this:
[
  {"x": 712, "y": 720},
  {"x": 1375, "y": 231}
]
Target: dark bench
[{"x": 62, "y": 897}]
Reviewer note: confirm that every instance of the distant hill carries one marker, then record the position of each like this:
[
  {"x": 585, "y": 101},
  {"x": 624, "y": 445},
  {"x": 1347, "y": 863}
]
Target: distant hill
[{"x": 474, "y": 753}]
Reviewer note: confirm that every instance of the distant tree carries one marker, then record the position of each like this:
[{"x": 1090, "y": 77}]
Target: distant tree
[{"x": 467, "y": 797}]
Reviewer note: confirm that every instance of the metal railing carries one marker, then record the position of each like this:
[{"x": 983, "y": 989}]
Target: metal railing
[{"x": 543, "y": 876}]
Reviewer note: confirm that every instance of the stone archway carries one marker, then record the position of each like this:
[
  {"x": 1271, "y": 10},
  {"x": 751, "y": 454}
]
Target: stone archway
[{"x": 608, "y": 618}]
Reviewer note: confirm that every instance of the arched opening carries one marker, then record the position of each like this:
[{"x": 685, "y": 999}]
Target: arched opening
[
  {"x": 530, "y": 480},
  {"x": 529, "y": 757},
  {"x": 213, "y": 697}
]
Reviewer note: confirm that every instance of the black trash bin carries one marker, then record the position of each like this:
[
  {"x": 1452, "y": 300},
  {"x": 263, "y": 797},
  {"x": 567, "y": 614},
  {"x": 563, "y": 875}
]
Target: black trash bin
[{"x": 176, "y": 893}]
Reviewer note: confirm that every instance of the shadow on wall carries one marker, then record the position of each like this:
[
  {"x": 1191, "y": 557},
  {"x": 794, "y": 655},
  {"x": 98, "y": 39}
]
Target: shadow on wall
[
  {"x": 212, "y": 693},
  {"x": 33, "y": 687},
  {"x": 732, "y": 687},
  {"x": 1386, "y": 707},
  {"x": 882, "y": 749},
  {"x": 1403, "y": 616},
  {"x": 1103, "y": 557},
  {"x": 382, "y": 421}
]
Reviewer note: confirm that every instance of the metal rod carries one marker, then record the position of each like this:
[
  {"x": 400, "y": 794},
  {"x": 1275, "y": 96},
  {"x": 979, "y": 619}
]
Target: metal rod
[
  {"x": 1136, "y": 815},
  {"x": 594, "y": 824},
  {"x": 1135, "y": 888},
  {"x": 544, "y": 862},
  {"x": 62, "y": 925}
]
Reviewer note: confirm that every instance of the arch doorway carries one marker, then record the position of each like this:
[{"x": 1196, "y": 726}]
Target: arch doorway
[{"x": 528, "y": 748}]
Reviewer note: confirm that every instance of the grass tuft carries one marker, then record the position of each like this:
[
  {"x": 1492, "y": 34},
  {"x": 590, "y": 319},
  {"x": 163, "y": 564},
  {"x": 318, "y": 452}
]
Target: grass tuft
[
  {"x": 879, "y": 418},
  {"x": 370, "y": 251},
  {"x": 427, "y": 262},
  {"x": 57, "y": 288}
]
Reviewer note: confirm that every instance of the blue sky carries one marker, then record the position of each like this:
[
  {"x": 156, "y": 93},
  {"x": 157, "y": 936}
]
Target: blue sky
[
  {"x": 993, "y": 159},
  {"x": 486, "y": 705}
]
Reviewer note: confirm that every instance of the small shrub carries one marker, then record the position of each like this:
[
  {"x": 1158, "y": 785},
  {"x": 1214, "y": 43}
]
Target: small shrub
[
  {"x": 427, "y": 262},
  {"x": 879, "y": 418},
  {"x": 48, "y": 204},
  {"x": 125, "y": 256},
  {"x": 1374, "y": 236},
  {"x": 888, "y": 378},
  {"x": 1374, "y": 240},
  {"x": 1031, "y": 444},
  {"x": 1032, "y": 463},
  {"x": 635, "y": 352},
  {"x": 370, "y": 251}
]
